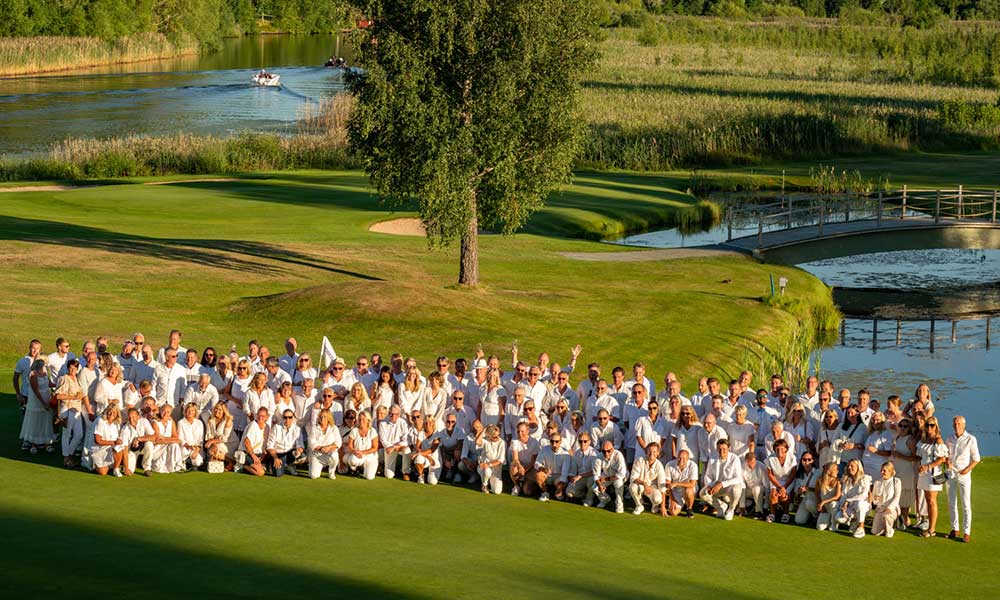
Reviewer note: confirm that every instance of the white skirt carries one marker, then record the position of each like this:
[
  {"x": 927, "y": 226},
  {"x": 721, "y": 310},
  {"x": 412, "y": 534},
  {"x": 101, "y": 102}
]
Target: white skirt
[
  {"x": 36, "y": 428},
  {"x": 925, "y": 483},
  {"x": 102, "y": 456}
]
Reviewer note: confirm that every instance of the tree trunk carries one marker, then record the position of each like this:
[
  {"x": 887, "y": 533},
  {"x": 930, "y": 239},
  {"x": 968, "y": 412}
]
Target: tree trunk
[{"x": 468, "y": 270}]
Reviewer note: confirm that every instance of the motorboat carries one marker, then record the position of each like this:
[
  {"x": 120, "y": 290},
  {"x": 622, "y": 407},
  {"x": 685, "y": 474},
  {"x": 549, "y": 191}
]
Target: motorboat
[{"x": 266, "y": 79}]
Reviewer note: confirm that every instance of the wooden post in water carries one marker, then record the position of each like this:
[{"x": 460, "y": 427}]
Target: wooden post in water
[
  {"x": 993, "y": 219},
  {"x": 954, "y": 331},
  {"x": 959, "y": 202},
  {"x": 789, "y": 224},
  {"x": 932, "y": 336},
  {"x": 902, "y": 213},
  {"x": 729, "y": 220},
  {"x": 822, "y": 209},
  {"x": 937, "y": 208},
  {"x": 874, "y": 335},
  {"x": 878, "y": 215},
  {"x": 899, "y": 331},
  {"x": 760, "y": 228}
]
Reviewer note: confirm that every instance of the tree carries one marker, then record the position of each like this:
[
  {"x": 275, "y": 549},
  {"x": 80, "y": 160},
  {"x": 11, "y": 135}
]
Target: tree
[{"x": 470, "y": 107}]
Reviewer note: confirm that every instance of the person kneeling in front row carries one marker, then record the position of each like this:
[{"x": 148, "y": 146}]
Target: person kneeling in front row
[
  {"x": 886, "y": 493},
  {"x": 682, "y": 479},
  {"x": 324, "y": 446},
  {"x": 649, "y": 480},
  {"x": 610, "y": 472},
  {"x": 723, "y": 481},
  {"x": 284, "y": 445}
]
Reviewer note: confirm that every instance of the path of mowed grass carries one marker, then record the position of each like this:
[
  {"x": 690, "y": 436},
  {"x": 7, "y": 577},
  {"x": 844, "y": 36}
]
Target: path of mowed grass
[{"x": 289, "y": 254}]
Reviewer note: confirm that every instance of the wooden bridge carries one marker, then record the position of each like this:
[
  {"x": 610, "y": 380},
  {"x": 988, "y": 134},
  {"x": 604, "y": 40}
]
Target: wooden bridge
[{"x": 799, "y": 220}]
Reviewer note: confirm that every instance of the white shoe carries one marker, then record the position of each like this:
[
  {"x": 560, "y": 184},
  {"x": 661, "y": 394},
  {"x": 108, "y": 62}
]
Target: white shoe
[
  {"x": 118, "y": 473},
  {"x": 237, "y": 468},
  {"x": 586, "y": 503},
  {"x": 728, "y": 515},
  {"x": 619, "y": 508},
  {"x": 421, "y": 480},
  {"x": 842, "y": 519},
  {"x": 638, "y": 510},
  {"x": 924, "y": 525},
  {"x": 544, "y": 497},
  {"x": 859, "y": 532},
  {"x": 515, "y": 491},
  {"x": 333, "y": 475},
  {"x": 821, "y": 526},
  {"x": 889, "y": 534},
  {"x": 604, "y": 502},
  {"x": 457, "y": 478}
]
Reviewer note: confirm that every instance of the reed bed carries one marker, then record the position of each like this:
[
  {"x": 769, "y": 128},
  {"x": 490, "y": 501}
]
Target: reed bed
[{"x": 24, "y": 55}]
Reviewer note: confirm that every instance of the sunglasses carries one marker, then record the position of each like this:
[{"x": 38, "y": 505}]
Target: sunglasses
[
  {"x": 338, "y": 369},
  {"x": 584, "y": 442},
  {"x": 288, "y": 417},
  {"x": 449, "y": 422}
]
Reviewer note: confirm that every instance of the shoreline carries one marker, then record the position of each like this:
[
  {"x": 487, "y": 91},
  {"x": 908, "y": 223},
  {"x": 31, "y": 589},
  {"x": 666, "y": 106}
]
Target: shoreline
[{"x": 93, "y": 65}]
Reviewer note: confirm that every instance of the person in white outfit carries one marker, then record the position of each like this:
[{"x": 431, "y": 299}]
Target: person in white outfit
[
  {"x": 805, "y": 488},
  {"x": 886, "y": 493},
  {"x": 491, "y": 460},
  {"x": 609, "y": 474},
  {"x": 191, "y": 433},
  {"x": 324, "y": 445},
  {"x": 251, "y": 453},
  {"x": 551, "y": 470},
  {"x": 580, "y": 473},
  {"x": 392, "y": 434},
  {"x": 468, "y": 463},
  {"x": 854, "y": 501},
  {"x": 780, "y": 473},
  {"x": 963, "y": 456},
  {"x": 933, "y": 455},
  {"x": 523, "y": 452},
  {"x": 427, "y": 454},
  {"x": 167, "y": 454},
  {"x": 755, "y": 486},
  {"x": 649, "y": 480},
  {"x": 362, "y": 447},
  {"x": 682, "y": 482},
  {"x": 827, "y": 497},
  {"x": 722, "y": 481},
  {"x": 106, "y": 434}
]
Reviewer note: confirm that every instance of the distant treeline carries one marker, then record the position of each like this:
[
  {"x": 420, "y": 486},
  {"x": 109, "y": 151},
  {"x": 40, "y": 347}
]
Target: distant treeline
[
  {"x": 915, "y": 13},
  {"x": 204, "y": 21}
]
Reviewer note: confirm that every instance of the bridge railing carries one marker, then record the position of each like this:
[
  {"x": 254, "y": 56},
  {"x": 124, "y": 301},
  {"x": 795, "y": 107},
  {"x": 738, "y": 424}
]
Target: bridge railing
[{"x": 960, "y": 204}]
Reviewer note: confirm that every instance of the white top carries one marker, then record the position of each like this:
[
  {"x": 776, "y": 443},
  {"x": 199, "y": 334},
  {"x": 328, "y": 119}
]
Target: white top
[
  {"x": 931, "y": 451},
  {"x": 675, "y": 474},
  {"x": 852, "y": 492},
  {"x": 256, "y": 436},
  {"x": 525, "y": 452},
  {"x": 255, "y": 400},
  {"x": 161, "y": 356},
  {"x": 782, "y": 471},
  {"x": 193, "y": 433},
  {"x": 757, "y": 476},
  {"x": 728, "y": 472},
  {"x": 582, "y": 463},
  {"x": 613, "y": 466},
  {"x": 493, "y": 451},
  {"x": 204, "y": 399},
  {"x": 170, "y": 384},
  {"x": 107, "y": 430},
  {"x": 408, "y": 401},
  {"x": 631, "y": 415},
  {"x": 318, "y": 437},
  {"x": 651, "y": 474},
  {"x": 55, "y": 365},
  {"x": 142, "y": 371},
  {"x": 275, "y": 381},
  {"x": 553, "y": 460},
  {"x": 608, "y": 433},
  {"x": 707, "y": 442},
  {"x": 492, "y": 400},
  {"x": 688, "y": 438},
  {"x": 285, "y": 438},
  {"x": 363, "y": 442},
  {"x": 393, "y": 434},
  {"x": 23, "y": 368},
  {"x": 962, "y": 450},
  {"x": 472, "y": 448},
  {"x": 105, "y": 393},
  {"x": 739, "y": 437},
  {"x": 886, "y": 492}
]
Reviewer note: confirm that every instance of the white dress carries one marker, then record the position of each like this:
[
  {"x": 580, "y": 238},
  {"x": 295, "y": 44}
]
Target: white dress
[
  {"x": 490, "y": 402},
  {"x": 37, "y": 425},
  {"x": 928, "y": 453},
  {"x": 167, "y": 458}
]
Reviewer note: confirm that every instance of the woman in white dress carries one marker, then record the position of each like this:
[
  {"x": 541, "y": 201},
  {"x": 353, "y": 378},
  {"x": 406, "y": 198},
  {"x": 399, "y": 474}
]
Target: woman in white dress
[
  {"x": 854, "y": 500},
  {"x": 686, "y": 432},
  {"x": 236, "y": 397},
  {"x": 878, "y": 446},
  {"x": 854, "y": 432},
  {"x": 885, "y": 496},
  {"x": 434, "y": 400},
  {"x": 304, "y": 370},
  {"x": 362, "y": 447},
  {"x": 492, "y": 399},
  {"x": 167, "y": 455},
  {"x": 827, "y": 437},
  {"x": 191, "y": 436},
  {"x": 427, "y": 457},
  {"x": 106, "y": 434},
  {"x": 357, "y": 400},
  {"x": 904, "y": 461},
  {"x": 491, "y": 460},
  {"x": 73, "y": 405},
  {"x": 828, "y": 496},
  {"x": 220, "y": 440},
  {"x": 109, "y": 390},
  {"x": 260, "y": 396},
  {"x": 800, "y": 428},
  {"x": 781, "y": 473},
  {"x": 933, "y": 455},
  {"x": 805, "y": 488},
  {"x": 742, "y": 434},
  {"x": 36, "y": 428},
  {"x": 283, "y": 400},
  {"x": 324, "y": 446},
  {"x": 410, "y": 393},
  {"x": 383, "y": 392}
]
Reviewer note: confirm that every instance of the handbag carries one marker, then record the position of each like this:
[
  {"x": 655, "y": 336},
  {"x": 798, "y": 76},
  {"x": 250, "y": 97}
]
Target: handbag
[
  {"x": 939, "y": 478},
  {"x": 216, "y": 466}
]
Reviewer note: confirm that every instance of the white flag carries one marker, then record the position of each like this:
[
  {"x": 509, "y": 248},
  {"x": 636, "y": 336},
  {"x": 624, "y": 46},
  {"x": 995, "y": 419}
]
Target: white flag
[{"x": 327, "y": 354}]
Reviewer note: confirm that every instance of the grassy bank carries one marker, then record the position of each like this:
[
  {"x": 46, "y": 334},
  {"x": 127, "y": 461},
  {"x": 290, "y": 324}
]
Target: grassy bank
[{"x": 30, "y": 55}]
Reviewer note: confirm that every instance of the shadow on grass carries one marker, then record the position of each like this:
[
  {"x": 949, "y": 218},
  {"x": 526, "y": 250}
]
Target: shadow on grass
[
  {"x": 58, "y": 557},
  {"x": 205, "y": 252}
]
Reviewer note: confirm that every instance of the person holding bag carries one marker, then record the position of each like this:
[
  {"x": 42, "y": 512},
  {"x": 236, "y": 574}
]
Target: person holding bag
[{"x": 933, "y": 455}]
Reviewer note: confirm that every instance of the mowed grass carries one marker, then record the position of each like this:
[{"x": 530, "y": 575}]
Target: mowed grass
[{"x": 289, "y": 254}]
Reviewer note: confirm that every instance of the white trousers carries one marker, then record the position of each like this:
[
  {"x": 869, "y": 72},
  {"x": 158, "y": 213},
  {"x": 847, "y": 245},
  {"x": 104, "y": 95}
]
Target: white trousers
[
  {"x": 390, "y": 459},
  {"x": 855, "y": 510},
  {"x": 318, "y": 460},
  {"x": 885, "y": 521},
  {"x": 637, "y": 491},
  {"x": 491, "y": 477},
  {"x": 432, "y": 472},
  {"x": 757, "y": 493},
  {"x": 960, "y": 502},
  {"x": 368, "y": 462},
  {"x": 585, "y": 485},
  {"x": 807, "y": 508},
  {"x": 725, "y": 500},
  {"x": 825, "y": 518},
  {"x": 617, "y": 485},
  {"x": 72, "y": 433}
]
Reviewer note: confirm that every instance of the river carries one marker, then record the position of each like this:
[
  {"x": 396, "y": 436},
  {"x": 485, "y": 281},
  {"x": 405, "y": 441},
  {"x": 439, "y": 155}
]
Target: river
[
  {"x": 920, "y": 315},
  {"x": 205, "y": 94}
]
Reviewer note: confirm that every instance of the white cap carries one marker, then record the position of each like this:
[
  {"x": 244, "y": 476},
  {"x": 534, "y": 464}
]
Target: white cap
[{"x": 479, "y": 363}]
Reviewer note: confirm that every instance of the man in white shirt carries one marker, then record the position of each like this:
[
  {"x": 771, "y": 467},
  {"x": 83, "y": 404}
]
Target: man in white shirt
[
  {"x": 523, "y": 452},
  {"x": 55, "y": 363},
  {"x": 580, "y": 473},
  {"x": 560, "y": 389},
  {"x": 285, "y": 446},
  {"x": 602, "y": 399},
  {"x": 723, "y": 480},
  {"x": 363, "y": 373},
  {"x": 22, "y": 372},
  {"x": 605, "y": 431},
  {"x": 203, "y": 395},
  {"x": 514, "y": 411},
  {"x": 747, "y": 395},
  {"x": 639, "y": 376},
  {"x": 170, "y": 381},
  {"x": 636, "y": 407},
  {"x": 127, "y": 357},
  {"x": 473, "y": 391},
  {"x": 144, "y": 367},
  {"x": 585, "y": 391},
  {"x": 275, "y": 376},
  {"x": 649, "y": 480},
  {"x": 755, "y": 485},
  {"x": 708, "y": 439},
  {"x": 617, "y": 388},
  {"x": 464, "y": 415},
  {"x": 702, "y": 399},
  {"x": 610, "y": 473},
  {"x": 192, "y": 368},
  {"x": 682, "y": 479},
  {"x": 289, "y": 361},
  {"x": 551, "y": 469},
  {"x": 534, "y": 388},
  {"x": 452, "y": 437},
  {"x": 393, "y": 442},
  {"x": 963, "y": 456},
  {"x": 173, "y": 343},
  {"x": 809, "y": 398},
  {"x": 340, "y": 381}
]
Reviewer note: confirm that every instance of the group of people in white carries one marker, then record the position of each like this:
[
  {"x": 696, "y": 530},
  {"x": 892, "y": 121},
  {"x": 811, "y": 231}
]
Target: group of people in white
[{"x": 816, "y": 457}]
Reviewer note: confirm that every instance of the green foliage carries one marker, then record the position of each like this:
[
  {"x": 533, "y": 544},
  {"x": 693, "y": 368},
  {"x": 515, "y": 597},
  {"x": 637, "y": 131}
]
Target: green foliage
[
  {"x": 977, "y": 118},
  {"x": 470, "y": 106}
]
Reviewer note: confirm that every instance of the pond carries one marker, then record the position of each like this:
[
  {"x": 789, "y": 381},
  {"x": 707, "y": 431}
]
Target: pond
[
  {"x": 927, "y": 315},
  {"x": 206, "y": 94}
]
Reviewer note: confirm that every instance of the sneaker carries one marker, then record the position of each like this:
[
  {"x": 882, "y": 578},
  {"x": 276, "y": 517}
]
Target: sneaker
[
  {"x": 34, "y": 450},
  {"x": 457, "y": 478},
  {"x": 923, "y": 525},
  {"x": 890, "y": 533},
  {"x": 689, "y": 513},
  {"x": 770, "y": 519},
  {"x": 842, "y": 519},
  {"x": 237, "y": 468},
  {"x": 586, "y": 503},
  {"x": 619, "y": 508},
  {"x": 859, "y": 532},
  {"x": 117, "y": 473},
  {"x": 785, "y": 518},
  {"x": 333, "y": 475},
  {"x": 604, "y": 502},
  {"x": 638, "y": 510},
  {"x": 728, "y": 516},
  {"x": 515, "y": 491},
  {"x": 486, "y": 490},
  {"x": 544, "y": 497},
  {"x": 421, "y": 480}
]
